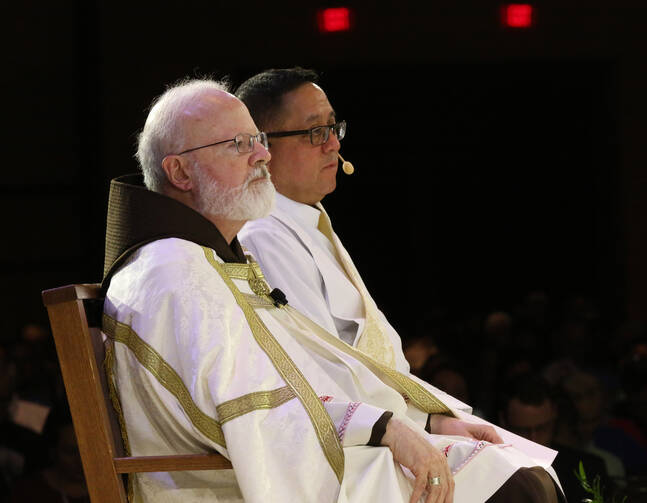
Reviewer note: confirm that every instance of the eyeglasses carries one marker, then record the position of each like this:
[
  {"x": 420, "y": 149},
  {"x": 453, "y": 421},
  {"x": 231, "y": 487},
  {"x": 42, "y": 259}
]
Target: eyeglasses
[
  {"x": 244, "y": 143},
  {"x": 318, "y": 135}
]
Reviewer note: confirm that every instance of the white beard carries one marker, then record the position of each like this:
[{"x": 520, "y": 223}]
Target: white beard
[{"x": 244, "y": 202}]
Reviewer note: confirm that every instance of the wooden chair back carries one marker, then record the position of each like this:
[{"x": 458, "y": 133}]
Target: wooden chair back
[{"x": 75, "y": 317}]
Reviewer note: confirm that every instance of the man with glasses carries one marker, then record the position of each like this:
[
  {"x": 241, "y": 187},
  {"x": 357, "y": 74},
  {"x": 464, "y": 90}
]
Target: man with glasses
[
  {"x": 295, "y": 245},
  {"x": 300, "y": 253},
  {"x": 203, "y": 356},
  {"x": 528, "y": 406}
]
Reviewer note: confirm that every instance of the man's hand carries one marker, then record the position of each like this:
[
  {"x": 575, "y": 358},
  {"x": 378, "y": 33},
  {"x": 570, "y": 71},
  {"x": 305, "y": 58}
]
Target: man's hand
[
  {"x": 412, "y": 450},
  {"x": 445, "y": 425}
]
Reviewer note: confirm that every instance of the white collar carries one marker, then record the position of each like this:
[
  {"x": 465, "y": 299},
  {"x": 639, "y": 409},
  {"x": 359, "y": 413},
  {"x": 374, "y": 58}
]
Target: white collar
[{"x": 306, "y": 215}]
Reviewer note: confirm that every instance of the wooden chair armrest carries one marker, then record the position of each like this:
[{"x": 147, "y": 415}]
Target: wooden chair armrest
[
  {"x": 179, "y": 462},
  {"x": 67, "y": 293}
]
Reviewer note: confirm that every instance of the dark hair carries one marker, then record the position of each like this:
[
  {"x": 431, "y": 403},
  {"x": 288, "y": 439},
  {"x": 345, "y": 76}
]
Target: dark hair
[
  {"x": 436, "y": 365},
  {"x": 262, "y": 93},
  {"x": 529, "y": 388}
]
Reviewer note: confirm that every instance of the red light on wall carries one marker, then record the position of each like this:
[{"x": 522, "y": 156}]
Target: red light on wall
[
  {"x": 517, "y": 15},
  {"x": 333, "y": 19}
]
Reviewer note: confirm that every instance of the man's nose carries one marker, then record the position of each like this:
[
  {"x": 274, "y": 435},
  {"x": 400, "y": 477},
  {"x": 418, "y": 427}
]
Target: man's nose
[
  {"x": 332, "y": 143},
  {"x": 260, "y": 153}
]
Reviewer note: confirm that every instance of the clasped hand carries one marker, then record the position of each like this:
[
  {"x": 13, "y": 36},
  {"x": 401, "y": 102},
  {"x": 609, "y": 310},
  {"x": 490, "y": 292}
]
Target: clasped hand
[{"x": 413, "y": 451}]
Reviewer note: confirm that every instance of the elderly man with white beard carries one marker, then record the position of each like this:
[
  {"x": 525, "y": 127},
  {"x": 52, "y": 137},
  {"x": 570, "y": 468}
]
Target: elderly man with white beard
[{"x": 203, "y": 356}]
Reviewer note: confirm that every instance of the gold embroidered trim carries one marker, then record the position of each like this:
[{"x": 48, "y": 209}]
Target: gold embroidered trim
[
  {"x": 108, "y": 367},
  {"x": 235, "y": 270},
  {"x": 418, "y": 395},
  {"x": 251, "y": 272},
  {"x": 373, "y": 340},
  {"x": 232, "y": 409},
  {"x": 152, "y": 361},
  {"x": 256, "y": 301},
  {"x": 242, "y": 271},
  {"x": 321, "y": 421}
]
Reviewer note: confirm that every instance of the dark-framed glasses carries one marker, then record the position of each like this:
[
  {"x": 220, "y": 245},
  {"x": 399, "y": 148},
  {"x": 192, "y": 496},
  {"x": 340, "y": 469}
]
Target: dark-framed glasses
[
  {"x": 318, "y": 135},
  {"x": 244, "y": 143}
]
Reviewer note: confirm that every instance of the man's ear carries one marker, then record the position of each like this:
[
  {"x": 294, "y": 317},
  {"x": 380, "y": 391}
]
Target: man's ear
[{"x": 177, "y": 172}]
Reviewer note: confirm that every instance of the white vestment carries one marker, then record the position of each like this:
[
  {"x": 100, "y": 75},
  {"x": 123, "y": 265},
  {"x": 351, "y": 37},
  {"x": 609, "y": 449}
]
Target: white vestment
[
  {"x": 202, "y": 361},
  {"x": 298, "y": 258}
]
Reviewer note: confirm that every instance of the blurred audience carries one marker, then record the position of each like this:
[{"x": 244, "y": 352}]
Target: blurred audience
[
  {"x": 418, "y": 351},
  {"x": 448, "y": 375},
  {"x": 557, "y": 372},
  {"x": 30, "y": 387},
  {"x": 632, "y": 402},
  {"x": 595, "y": 369},
  {"x": 583, "y": 391},
  {"x": 62, "y": 480},
  {"x": 527, "y": 407}
]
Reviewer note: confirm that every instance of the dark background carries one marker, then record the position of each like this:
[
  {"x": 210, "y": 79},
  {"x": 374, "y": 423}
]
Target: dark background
[{"x": 489, "y": 161}]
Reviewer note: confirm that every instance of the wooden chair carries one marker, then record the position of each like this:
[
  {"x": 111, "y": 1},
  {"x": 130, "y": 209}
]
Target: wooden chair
[{"x": 75, "y": 315}]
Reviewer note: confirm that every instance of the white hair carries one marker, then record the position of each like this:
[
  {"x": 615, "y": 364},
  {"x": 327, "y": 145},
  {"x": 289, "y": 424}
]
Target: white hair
[{"x": 164, "y": 131}]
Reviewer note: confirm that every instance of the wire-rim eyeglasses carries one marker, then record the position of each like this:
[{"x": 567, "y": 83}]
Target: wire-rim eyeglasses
[{"x": 244, "y": 143}]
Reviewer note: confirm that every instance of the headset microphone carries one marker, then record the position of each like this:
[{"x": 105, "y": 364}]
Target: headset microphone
[{"x": 346, "y": 166}]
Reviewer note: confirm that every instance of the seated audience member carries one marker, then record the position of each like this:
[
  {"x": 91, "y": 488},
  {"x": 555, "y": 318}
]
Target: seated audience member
[
  {"x": 631, "y": 416},
  {"x": 28, "y": 391},
  {"x": 62, "y": 481},
  {"x": 422, "y": 346},
  {"x": 207, "y": 357},
  {"x": 448, "y": 375},
  {"x": 418, "y": 351},
  {"x": 527, "y": 408},
  {"x": 496, "y": 339},
  {"x": 631, "y": 412},
  {"x": 592, "y": 411},
  {"x": 296, "y": 246}
]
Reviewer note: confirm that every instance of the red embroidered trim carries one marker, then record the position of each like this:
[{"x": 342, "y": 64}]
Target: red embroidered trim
[
  {"x": 325, "y": 398},
  {"x": 480, "y": 445},
  {"x": 349, "y": 413}
]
